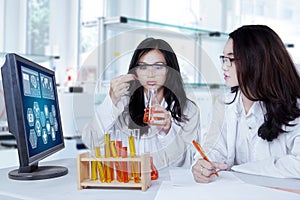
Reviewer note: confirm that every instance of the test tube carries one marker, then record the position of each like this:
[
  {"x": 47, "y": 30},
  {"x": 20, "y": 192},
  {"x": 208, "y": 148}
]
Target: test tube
[
  {"x": 118, "y": 144},
  {"x": 124, "y": 165},
  {"x": 99, "y": 163},
  {"x": 97, "y": 154},
  {"x": 94, "y": 175},
  {"x": 132, "y": 151},
  {"x": 112, "y": 143},
  {"x": 134, "y": 165},
  {"x": 107, "y": 155},
  {"x": 100, "y": 166},
  {"x": 117, "y": 164},
  {"x": 137, "y": 137}
]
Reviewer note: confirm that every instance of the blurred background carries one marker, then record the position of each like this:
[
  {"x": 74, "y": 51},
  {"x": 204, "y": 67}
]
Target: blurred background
[{"x": 88, "y": 42}]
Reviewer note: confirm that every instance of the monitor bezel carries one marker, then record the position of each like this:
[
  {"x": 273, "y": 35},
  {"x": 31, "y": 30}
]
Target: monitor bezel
[{"x": 16, "y": 117}]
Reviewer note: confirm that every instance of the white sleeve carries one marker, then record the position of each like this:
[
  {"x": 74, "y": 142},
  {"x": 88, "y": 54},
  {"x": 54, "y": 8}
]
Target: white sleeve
[
  {"x": 286, "y": 166},
  {"x": 214, "y": 144},
  {"x": 177, "y": 149},
  {"x": 104, "y": 118},
  {"x": 107, "y": 113},
  {"x": 166, "y": 139}
]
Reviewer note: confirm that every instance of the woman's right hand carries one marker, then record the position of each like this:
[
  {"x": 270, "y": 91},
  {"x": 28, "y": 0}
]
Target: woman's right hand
[
  {"x": 119, "y": 86},
  {"x": 204, "y": 171}
]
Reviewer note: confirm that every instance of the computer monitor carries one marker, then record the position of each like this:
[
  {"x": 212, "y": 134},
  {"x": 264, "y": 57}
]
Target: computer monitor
[{"x": 33, "y": 116}]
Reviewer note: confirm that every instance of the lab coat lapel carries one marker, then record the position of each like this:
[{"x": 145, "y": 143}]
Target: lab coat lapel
[{"x": 232, "y": 121}]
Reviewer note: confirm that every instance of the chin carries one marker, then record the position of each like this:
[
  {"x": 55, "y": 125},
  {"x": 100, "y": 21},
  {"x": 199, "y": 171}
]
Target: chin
[{"x": 230, "y": 85}]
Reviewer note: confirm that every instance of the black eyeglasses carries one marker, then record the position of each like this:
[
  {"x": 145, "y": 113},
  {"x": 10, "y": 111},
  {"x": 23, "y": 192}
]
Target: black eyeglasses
[{"x": 226, "y": 61}]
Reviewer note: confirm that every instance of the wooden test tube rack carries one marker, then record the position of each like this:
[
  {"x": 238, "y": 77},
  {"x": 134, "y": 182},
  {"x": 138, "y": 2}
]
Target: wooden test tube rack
[{"x": 84, "y": 169}]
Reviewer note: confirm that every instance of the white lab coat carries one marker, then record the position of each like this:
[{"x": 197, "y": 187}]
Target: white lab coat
[
  {"x": 233, "y": 139},
  {"x": 171, "y": 149}
]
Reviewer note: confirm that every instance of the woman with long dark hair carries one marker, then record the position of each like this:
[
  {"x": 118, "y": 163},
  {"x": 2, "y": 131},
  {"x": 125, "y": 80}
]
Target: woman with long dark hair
[
  {"x": 258, "y": 131},
  {"x": 176, "y": 121}
]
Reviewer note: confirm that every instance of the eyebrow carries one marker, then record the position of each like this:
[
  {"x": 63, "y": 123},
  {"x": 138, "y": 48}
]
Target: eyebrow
[{"x": 230, "y": 54}]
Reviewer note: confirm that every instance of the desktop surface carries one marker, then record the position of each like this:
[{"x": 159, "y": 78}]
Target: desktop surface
[{"x": 66, "y": 186}]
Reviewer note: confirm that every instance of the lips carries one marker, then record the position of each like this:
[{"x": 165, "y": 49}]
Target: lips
[
  {"x": 226, "y": 76},
  {"x": 151, "y": 83}
]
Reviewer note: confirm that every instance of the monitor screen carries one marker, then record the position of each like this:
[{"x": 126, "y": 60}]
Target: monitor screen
[{"x": 33, "y": 116}]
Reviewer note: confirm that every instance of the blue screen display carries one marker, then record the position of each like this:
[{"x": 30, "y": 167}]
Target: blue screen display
[{"x": 40, "y": 107}]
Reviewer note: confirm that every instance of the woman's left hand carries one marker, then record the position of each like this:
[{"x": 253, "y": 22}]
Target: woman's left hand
[{"x": 161, "y": 118}]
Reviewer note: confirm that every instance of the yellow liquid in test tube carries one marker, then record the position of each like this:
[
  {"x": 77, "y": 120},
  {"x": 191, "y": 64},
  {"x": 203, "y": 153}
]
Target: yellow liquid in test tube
[
  {"x": 107, "y": 155},
  {"x": 99, "y": 164},
  {"x": 94, "y": 171},
  {"x": 131, "y": 146},
  {"x": 94, "y": 175},
  {"x": 134, "y": 165}
]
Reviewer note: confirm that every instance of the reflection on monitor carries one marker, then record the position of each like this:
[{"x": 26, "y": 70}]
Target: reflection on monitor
[{"x": 33, "y": 116}]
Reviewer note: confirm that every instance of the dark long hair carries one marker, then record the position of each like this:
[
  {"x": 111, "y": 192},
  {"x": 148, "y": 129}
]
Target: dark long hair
[
  {"x": 174, "y": 93},
  {"x": 266, "y": 72}
]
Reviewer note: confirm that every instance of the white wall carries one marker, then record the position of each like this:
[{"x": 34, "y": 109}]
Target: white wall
[
  {"x": 13, "y": 26},
  {"x": 128, "y": 8},
  {"x": 63, "y": 35},
  {"x": 2, "y": 14},
  {"x": 63, "y": 31}
]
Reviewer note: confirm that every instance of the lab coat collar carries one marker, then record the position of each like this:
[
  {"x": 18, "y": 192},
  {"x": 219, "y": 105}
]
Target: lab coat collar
[{"x": 257, "y": 109}]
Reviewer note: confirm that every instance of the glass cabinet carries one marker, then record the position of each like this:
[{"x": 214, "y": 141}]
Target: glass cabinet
[{"x": 197, "y": 49}]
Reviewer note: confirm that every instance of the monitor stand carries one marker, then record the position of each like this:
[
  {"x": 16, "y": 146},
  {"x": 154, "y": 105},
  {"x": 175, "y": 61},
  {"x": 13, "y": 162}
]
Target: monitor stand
[{"x": 41, "y": 172}]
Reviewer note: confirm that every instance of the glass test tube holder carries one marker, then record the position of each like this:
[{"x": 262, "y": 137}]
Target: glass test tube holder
[{"x": 83, "y": 172}]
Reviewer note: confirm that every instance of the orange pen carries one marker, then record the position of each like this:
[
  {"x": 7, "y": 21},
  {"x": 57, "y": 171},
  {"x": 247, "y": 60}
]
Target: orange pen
[{"x": 199, "y": 149}]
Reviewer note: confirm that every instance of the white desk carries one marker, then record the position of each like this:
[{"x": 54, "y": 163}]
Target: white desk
[
  {"x": 286, "y": 184},
  {"x": 9, "y": 157},
  {"x": 66, "y": 187}
]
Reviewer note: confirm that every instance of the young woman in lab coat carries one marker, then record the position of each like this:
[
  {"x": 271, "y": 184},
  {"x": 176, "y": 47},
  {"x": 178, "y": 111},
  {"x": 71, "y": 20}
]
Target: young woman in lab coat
[
  {"x": 258, "y": 130},
  {"x": 154, "y": 64}
]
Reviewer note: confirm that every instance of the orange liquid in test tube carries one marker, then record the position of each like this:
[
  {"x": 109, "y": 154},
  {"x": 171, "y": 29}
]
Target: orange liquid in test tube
[
  {"x": 120, "y": 177},
  {"x": 148, "y": 115},
  {"x": 146, "y": 118},
  {"x": 124, "y": 168},
  {"x": 119, "y": 148}
]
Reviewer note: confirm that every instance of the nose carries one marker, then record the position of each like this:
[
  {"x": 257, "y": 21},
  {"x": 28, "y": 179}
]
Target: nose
[
  {"x": 224, "y": 67},
  {"x": 151, "y": 71}
]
